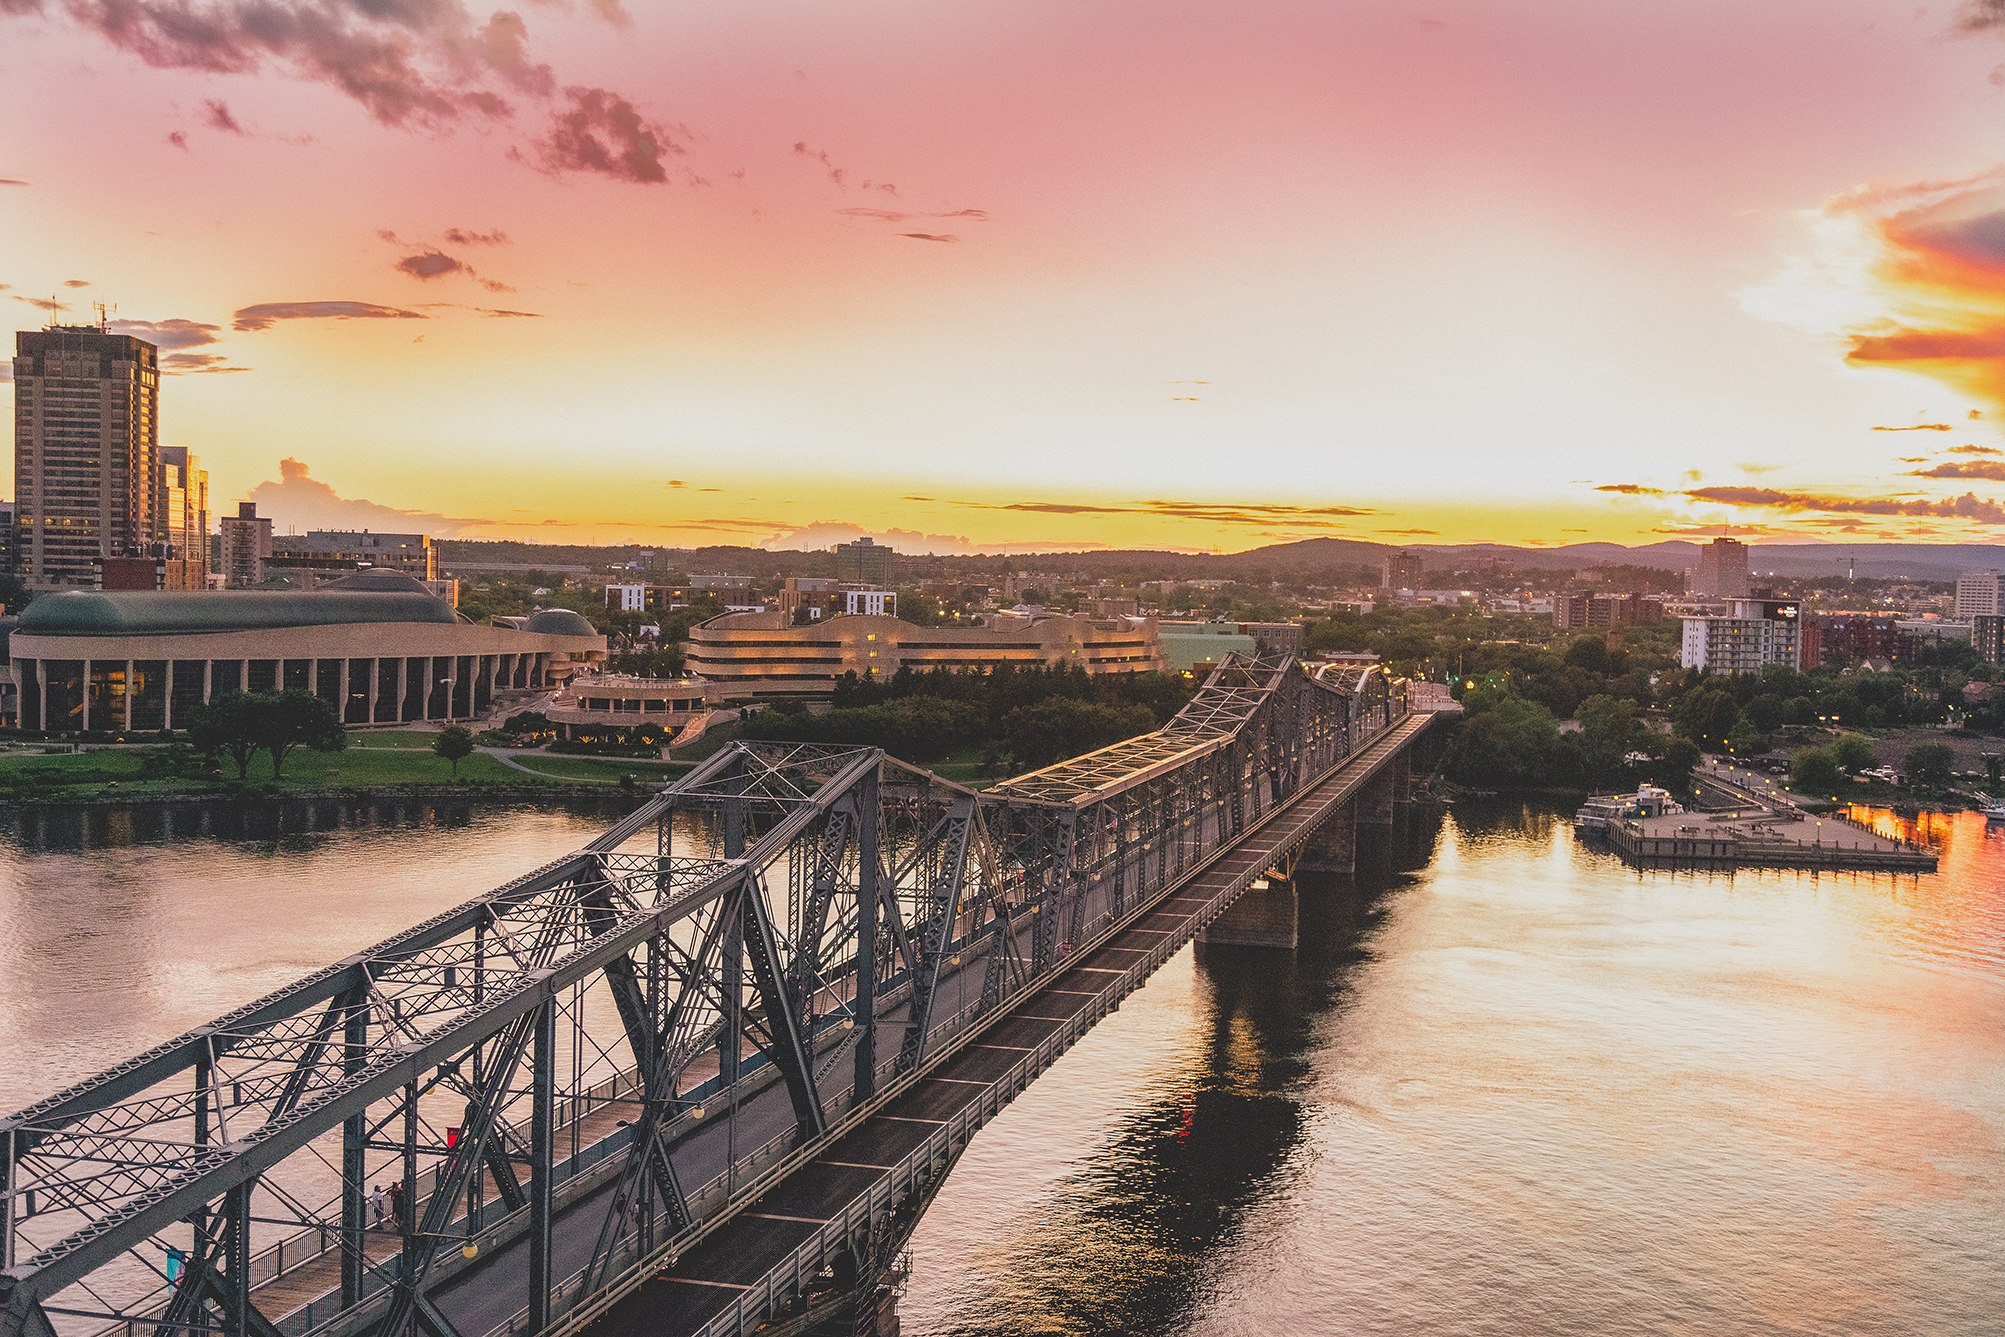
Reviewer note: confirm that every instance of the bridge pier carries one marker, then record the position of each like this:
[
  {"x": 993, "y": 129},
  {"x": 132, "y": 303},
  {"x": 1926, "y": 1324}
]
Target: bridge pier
[
  {"x": 1375, "y": 802},
  {"x": 1333, "y": 848},
  {"x": 1261, "y": 917}
]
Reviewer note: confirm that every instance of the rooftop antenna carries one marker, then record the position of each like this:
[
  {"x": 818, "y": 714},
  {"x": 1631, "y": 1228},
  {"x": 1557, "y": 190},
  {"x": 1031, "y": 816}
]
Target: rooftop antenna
[{"x": 104, "y": 315}]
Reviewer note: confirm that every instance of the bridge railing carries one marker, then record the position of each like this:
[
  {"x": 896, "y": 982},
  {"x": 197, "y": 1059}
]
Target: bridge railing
[
  {"x": 350, "y": 1046},
  {"x": 793, "y": 1275}
]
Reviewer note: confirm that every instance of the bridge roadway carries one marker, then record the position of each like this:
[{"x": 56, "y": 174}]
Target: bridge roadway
[
  {"x": 775, "y": 1246},
  {"x": 776, "y": 1224}
]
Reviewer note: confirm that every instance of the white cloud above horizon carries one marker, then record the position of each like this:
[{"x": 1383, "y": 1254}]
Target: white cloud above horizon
[{"x": 299, "y": 501}]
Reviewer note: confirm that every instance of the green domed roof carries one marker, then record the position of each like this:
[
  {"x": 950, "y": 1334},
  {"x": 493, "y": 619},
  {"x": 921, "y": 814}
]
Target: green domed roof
[
  {"x": 559, "y": 622},
  {"x": 196, "y": 612}
]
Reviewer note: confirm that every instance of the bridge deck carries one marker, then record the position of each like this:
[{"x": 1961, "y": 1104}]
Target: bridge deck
[{"x": 724, "y": 1285}]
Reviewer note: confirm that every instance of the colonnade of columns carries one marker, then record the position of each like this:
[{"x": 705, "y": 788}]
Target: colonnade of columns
[{"x": 392, "y": 690}]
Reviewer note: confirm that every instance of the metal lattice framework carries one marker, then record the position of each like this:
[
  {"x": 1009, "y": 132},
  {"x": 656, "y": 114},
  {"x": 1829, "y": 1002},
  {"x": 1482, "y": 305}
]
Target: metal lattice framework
[{"x": 633, "y": 1038}]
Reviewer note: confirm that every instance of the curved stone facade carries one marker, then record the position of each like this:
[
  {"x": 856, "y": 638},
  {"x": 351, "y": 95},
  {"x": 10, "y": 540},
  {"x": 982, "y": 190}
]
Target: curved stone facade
[
  {"x": 751, "y": 656},
  {"x": 131, "y": 661}
]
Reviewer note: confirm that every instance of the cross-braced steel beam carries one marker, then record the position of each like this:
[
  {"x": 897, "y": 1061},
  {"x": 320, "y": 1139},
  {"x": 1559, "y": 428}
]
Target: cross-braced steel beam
[{"x": 631, "y": 1041}]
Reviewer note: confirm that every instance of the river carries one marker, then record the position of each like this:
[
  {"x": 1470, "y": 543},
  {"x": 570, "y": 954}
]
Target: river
[{"x": 1515, "y": 1088}]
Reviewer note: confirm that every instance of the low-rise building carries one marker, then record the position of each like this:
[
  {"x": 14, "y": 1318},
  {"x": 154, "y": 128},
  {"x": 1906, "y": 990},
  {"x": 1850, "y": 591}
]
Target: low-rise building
[
  {"x": 762, "y": 655},
  {"x": 377, "y": 647},
  {"x": 734, "y": 592},
  {"x": 1848, "y": 637},
  {"x": 1276, "y": 638},
  {"x": 1576, "y": 611},
  {"x": 412, "y": 554},
  {"x": 1934, "y": 631},
  {"x": 625, "y": 700},
  {"x": 1190, "y": 646}
]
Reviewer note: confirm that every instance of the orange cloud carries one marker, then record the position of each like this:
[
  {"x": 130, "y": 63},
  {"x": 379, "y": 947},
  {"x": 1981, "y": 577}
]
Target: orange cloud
[{"x": 1912, "y": 276}]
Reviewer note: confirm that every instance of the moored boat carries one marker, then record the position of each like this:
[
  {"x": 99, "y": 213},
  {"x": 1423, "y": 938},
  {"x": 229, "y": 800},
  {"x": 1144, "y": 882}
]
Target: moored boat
[{"x": 1601, "y": 809}]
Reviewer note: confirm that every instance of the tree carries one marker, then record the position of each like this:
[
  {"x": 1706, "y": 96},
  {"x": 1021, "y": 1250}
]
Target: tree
[
  {"x": 1706, "y": 715},
  {"x": 1674, "y": 768},
  {"x": 1766, "y": 712},
  {"x": 455, "y": 744},
  {"x": 1607, "y": 726},
  {"x": 292, "y": 718},
  {"x": 1928, "y": 765},
  {"x": 227, "y": 724},
  {"x": 1854, "y": 753},
  {"x": 1815, "y": 774},
  {"x": 529, "y": 722},
  {"x": 1744, "y": 739},
  {"x": 1992, "y": 768},
  {"x": 1505, "y": 741},
  {"x": 1062, "y": 727}
]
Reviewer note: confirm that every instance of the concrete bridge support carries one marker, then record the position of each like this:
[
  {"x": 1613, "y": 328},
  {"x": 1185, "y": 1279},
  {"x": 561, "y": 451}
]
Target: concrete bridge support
[
  {"x": 1376, "y": 800},
  {"x": 1262, "y": 917},
  {"x": 1333, "y": 848}
]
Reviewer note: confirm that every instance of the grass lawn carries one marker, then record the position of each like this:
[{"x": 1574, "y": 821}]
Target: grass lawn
[
  {"x": 391, "y": 738},
  {"x": 703, "y": 748},
  {"x": 376, "y": 766},
  {"x": 359, "y": 767},
  {"x": 603, "y": 770},
  {"x": 964, "y": 766}
]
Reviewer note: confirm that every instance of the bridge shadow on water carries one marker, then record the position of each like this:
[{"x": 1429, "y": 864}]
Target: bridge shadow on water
[{"x": 1122, "y": 1246}]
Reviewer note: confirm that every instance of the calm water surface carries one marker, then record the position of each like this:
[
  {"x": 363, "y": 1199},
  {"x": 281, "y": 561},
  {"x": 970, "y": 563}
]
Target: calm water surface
[
  {"x": 1518, "y": 1089},
  {"x": 1524, "y": 1090}
]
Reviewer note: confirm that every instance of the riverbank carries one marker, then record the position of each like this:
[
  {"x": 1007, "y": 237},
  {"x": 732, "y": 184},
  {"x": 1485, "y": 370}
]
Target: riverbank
[{"x": 126, "y": 775}]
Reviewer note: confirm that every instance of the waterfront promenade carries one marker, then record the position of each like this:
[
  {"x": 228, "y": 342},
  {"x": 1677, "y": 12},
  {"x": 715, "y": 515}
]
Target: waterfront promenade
[{"x": 1768, "y": 827}]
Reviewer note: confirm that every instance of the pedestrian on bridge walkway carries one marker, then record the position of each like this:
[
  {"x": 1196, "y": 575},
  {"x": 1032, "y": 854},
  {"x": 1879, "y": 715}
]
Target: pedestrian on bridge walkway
[
  {"x": 376, "y": 1204},
  {"x": 396, "y": 1204}
]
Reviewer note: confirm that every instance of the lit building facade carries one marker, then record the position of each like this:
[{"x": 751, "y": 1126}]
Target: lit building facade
[
  {"x": 411, "y": 554},
  {"x": 1977, "y": 594},
  {"x": 752, "y": 656},
  {"x": 247, "y": 543},
  {"x": 86, "y": 433},
  {"x": 1757, "y": 633},
  {"x": 380, "y": 650},
  {"x": 1987, "y": 635},
  {"x": 181, "y": 487}
]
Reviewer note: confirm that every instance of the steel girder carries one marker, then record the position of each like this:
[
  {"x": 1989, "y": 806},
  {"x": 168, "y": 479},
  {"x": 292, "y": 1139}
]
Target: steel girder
[{"x": 811, "y": 894}]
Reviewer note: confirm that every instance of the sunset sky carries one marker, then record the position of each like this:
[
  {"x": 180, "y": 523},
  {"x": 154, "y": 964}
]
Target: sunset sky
[{"x": 1040, "y": 275}]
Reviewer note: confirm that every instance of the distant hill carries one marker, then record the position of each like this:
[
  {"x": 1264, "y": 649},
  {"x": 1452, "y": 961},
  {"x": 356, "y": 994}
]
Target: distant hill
[
  {"x": 1334, "y": 560},
  {"x": 1918, "y": 561}
]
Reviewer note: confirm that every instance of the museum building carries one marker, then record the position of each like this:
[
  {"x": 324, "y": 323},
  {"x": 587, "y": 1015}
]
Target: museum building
[{"x": 375, "y": 645}]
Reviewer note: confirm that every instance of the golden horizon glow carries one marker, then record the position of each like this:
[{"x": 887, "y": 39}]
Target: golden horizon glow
[{"x": 1029, "y": 277}]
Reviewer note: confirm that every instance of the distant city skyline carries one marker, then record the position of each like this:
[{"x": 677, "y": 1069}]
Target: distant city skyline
[{"x": 1030, "y": 277}]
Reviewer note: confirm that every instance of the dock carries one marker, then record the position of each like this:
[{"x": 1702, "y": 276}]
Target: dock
[{"x": 1763, "y": 837}]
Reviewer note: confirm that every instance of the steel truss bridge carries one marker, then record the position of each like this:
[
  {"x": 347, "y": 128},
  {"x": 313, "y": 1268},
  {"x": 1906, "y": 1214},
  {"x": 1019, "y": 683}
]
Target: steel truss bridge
[{"x": 698, "y": 1077}]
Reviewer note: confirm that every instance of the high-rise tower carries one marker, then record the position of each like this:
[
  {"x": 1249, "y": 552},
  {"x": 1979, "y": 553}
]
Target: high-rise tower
[
  {"x": 86, "y": 432},
  {"x": 181, "y": 503},
  {"x": 1722, "y": 570}
]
